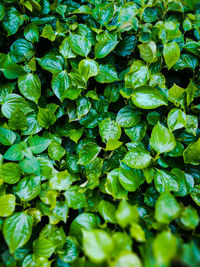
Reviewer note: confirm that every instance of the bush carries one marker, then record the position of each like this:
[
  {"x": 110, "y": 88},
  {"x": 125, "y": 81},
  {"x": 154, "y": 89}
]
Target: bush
[{"x": 99, "y": 136}]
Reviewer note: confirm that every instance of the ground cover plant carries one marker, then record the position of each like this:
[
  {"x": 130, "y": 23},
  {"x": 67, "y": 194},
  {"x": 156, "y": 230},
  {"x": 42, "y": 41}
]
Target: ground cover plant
[{"x": 99, "y": 136}]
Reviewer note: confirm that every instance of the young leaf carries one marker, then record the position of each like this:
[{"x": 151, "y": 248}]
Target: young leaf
[{"x": 171, "y": 53}]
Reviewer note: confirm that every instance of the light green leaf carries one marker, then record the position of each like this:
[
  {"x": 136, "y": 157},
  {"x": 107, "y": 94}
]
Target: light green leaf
[
  {"x": 176, "y": 119},
  {"x": 46, "y": 117},
  {"x": 137, "y": 158},
  {"x": 162, "y": 140},
  {"x": 138, "y": 75},
  {"x": 148, "y": 97},
  {"x": 148, "y": 51},
  {"x": 109, "y": 129},
  {"x": 192, "y": 153},
  {"x": 28, "y": 188},
  {"x": 88, "y": 68},
  {"x": 189, "y": 218},
  {"x": 107, "y": 211},
  {"x": 171, "y": 53},
  {"x": 66, "y": 50},
  {"x": 126, "y": 214},
  {"x": 167, "y": 208},
  {"x": 48, "y": 33},
  {"x": 56, "y": 151},
  {"x": 7, "y": 205},
  {"x": 15, "y": 152},
  {"x": 97, "y": 244},
  {"x": 164, "y": 247}
]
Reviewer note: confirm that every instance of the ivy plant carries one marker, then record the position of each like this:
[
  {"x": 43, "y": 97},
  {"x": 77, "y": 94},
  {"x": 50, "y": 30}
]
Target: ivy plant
[{"x": 99, "y": 133}]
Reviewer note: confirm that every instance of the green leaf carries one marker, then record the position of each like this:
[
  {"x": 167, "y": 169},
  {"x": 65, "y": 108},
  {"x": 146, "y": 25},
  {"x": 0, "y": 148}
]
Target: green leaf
[
  {"x": 10, "y": 173},
  {"x": 60, "y": 84},
  {"x": 127, "y": 16},
  {"x": 21, "y": 50},
  {"x": 147, "y": 97},
  {"x": 17, "y": 230},
  {"x": 112, "y": 144},
  {"x": 162, "y": 140},
  {"x": 189, "y": 218},
  {"x": 103, "y": 13},
  {"x": 18, "y": 120},
  {"x": 7, "y": 137},
  {"x": 66, "y": 50},
  {"x": 128, "y": 117},
  {"x": 148, "y": 51},
  {"x": 88, "y": 153},
  {"x": 109, "y": 129},
  {"x": 30, "y": 166},
  {"x": 113, "y": 186},
  {"x": 191, "y": 153},
  {"x": 46, "y": 117},
  {"x": 12, "y": 20},
  {"x": 7, "y": 205},
  {"x": 176, "y": 119},
  {"x": 2, "y": 11},
  {"x": 88, "y": 68},
  {"x": 164, "y": 247},
  {"x": 107, "y": 74},
  {"x": 138, "y": 75},
  {"x": 97, "y": 244},
  {"x": 128, "y": 259},
  {"x": 15, "y": 152},
  {"x": 87, "y": 221},
  {"x": 74, "y": 198},
  {"x": 31, "y": 32},
  {"x": 126, "y": 214},
  {"x": 137, "y": 232},
  {"x": 137, "y": 158},
  {"x": 167, "y": 208},
  {"x": 171, "y": 53},
  {"x": 43, "y": 247},
  {"x": 38, "y": 144},
  {"x": 165, "y": 181},
  {"x": 62, "y": 180},
  {"x": 30, "y": 86},
  {"x": 56, "y": 151},
  {"x": 80, "y": 45},
  {"x": 107, "y": 211},
  {"x": 102, "y": 49},
  {"x": 130, "y": 178},
  {"x": 12, "y": 102},
  {"x": 28, "y": 188},
  {"x": 52, "y": 62},
  {"x": 48, "y": 33},
  {"x": 176, "y": 95}
]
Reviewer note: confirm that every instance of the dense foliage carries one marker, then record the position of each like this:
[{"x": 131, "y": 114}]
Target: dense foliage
[{"x": 99, "y": 137}]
